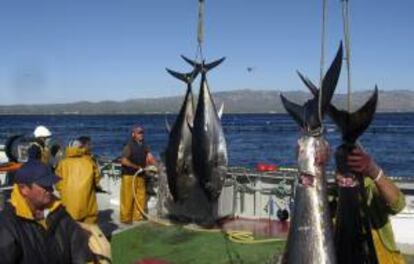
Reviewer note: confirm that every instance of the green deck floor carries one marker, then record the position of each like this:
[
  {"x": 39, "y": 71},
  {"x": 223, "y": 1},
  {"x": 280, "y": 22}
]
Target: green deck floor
[{"x": 177, "y": 245}]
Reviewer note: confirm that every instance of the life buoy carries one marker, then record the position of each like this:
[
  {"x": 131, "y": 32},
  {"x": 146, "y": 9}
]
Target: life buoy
[{"x": 263, "y": 167}]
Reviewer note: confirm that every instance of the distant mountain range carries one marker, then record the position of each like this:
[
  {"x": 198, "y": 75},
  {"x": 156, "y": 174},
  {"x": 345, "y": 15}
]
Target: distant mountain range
[{"x": 238, "y": 101}]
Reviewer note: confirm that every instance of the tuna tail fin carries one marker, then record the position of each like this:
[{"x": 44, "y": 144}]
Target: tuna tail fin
[
  {"x": 309, "y": 84},
  {"x": 352, "y": 125},
  {"x": 203, "y": 66},
  {"x": 188, "y": 78},
  {"x": 315, "y": 91},
  {"x": 307, "y": 116},
  {"x": 330, "y": 80},
  {"x": 295, "y": 110}
]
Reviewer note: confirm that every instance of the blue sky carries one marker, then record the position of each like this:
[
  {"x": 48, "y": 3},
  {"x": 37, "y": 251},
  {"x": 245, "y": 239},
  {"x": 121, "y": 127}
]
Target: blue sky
[{"x": 64, "y": 51}]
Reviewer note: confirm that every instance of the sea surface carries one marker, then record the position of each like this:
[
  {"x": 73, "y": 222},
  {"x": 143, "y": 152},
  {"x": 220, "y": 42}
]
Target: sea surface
[{"x": 251, "y": 138}]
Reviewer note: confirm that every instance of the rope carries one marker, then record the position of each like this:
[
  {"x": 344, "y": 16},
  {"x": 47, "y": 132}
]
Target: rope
[
  {"x": 324, "y": 18},
  {"x": 200, "y": 28},
  {"x": 140, "y": 209},
  {"x": 246, "y": 237},
  {"x": 323, "y": 33},
  {"x": 345, "y": 18},
  {"x": 200, "y": 31}
]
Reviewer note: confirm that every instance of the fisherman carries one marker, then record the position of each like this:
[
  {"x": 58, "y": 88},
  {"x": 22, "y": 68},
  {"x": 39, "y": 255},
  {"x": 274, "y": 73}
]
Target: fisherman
[
  {"x": 384, "y": 198},
  {"x": 35, "y": 227},
  {"x": 80, "y": 179},
  {"x": 86, "y": 143},
  {"x": 135, "y": 157},
  {"x": 39, "y": 149}
]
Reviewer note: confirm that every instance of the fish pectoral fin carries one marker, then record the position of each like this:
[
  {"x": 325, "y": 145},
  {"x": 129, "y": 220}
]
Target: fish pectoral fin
[
  {"x": 188, "y": 78},
  {"x": 190, "y": 124},
  {"x": 220, "y": 111},
  {"x": 167, "y": 125}
]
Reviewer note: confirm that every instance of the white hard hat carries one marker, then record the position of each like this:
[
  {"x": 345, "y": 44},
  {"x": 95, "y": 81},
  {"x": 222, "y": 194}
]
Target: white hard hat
[{"x": 41, "y": 131}]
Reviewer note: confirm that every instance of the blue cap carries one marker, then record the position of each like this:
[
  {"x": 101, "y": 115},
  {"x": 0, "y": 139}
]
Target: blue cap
[{"x": 34, "y": 171}]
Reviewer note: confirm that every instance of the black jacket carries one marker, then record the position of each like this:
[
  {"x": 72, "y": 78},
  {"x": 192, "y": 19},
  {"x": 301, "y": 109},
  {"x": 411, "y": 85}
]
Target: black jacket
[{"x": 26, "y": 241}]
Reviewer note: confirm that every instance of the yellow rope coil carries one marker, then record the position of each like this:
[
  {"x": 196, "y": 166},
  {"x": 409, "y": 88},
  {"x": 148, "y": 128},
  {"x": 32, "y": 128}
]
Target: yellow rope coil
[{"x": 246, "y": 237}]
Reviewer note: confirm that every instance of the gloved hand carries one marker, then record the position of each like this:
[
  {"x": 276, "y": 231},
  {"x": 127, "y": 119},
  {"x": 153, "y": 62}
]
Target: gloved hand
[
  {"x": 151, "y": 169},
  {"x": 361, "y": 162}
]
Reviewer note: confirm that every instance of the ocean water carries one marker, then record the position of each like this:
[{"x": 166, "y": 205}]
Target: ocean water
[{"x": 251, "y": 138}]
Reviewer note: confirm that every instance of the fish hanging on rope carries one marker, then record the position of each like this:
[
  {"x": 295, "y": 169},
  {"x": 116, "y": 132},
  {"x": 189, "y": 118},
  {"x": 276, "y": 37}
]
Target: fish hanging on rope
[
  {"x": 310, "y": 238},
  {"x": 209, "y": 144}
]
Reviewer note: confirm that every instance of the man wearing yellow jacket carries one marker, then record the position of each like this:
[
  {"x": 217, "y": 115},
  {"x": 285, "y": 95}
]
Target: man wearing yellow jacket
[{"x": 80, "y": 178}]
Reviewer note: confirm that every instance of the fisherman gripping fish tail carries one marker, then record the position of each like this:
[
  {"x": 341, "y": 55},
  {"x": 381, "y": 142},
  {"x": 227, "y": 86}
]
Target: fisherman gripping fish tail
[
  {"x": 310, "y": 238},
  {"x": 366, "y": 197}
]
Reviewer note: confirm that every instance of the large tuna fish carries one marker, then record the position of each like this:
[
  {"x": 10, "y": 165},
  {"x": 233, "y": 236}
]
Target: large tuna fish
[
  {"x": 178, "y": 155},
  {"x": 209, "y": 143},
  {"x": 353, "y": 237},
  {"x": 310, "y": 238}
]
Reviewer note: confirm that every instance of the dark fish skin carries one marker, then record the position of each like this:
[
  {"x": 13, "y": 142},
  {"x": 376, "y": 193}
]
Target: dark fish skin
[
  {"x": 353, "y": 238},
  {"x": 310, "y": 238},
  {"x": 178, "y": 155},
  {"x": 209, "y": 144}
]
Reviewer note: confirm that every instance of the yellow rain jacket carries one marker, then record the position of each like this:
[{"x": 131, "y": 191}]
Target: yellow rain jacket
[
  {"x": 382, "y": 234},
  {"x": 80, "y": 176}
]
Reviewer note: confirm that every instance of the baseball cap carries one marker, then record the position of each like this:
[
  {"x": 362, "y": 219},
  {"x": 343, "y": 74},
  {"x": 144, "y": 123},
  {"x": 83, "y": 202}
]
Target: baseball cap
[{"x": 34, "y": 171}]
